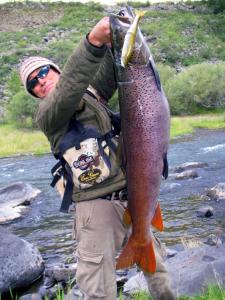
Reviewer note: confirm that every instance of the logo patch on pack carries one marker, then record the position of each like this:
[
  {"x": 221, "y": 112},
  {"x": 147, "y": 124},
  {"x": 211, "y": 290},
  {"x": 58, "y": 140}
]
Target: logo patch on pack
[
  {"x": 83, "y": 162},
  {"x": 87, "y": 164},
  {"x": 90, "y": 176}
]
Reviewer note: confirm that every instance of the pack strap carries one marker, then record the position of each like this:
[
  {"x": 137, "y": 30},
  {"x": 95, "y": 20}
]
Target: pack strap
[
  {"x": 58, "y": 171},
  {"x": 67, "y": 197},
  {"x": 114, "y": 116},
  {"x": 108, "y": 138}
]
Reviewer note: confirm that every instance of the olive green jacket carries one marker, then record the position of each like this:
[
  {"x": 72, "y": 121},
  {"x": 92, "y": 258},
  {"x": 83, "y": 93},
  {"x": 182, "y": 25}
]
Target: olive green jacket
[{"x": 87, "y": 65}]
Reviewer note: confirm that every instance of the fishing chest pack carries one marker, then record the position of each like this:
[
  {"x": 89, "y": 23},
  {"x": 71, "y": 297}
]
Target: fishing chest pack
[{"x": 84, "y": 155}]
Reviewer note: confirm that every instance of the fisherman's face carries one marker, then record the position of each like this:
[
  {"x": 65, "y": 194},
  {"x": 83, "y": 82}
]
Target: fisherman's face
[{"x": 42, "y": 81}]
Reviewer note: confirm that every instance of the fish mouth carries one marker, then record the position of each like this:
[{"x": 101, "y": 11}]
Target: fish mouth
[
  {"x": 124, "y": 16},
  {"x": 119, "y": 24},
  {"x": 122, "y": 19}
]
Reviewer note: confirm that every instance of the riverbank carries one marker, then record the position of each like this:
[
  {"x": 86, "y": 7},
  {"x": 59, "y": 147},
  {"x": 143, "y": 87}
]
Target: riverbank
[
  {"x": 15, "y": 141},
  {"x": 51, "y": 231}
]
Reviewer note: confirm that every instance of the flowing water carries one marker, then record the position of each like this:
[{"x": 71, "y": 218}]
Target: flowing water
[{"x": 50, "y": 230}]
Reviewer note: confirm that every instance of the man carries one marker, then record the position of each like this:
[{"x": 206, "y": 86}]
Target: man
[{"x": 80, "y": 93}]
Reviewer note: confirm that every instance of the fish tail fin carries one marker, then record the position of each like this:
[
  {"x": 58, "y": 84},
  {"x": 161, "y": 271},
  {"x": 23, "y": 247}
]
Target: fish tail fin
[
  {"x": 139, "y": 13},
  {"x": 147, "y": 258},
  {"x": 157, "y": 220},
  {"x": 143, "y": 256},
  {"x": 127, "y": 218}
]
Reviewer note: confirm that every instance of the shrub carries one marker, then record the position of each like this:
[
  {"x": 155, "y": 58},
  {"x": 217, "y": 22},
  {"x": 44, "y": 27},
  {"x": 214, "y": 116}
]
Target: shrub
[
  {"x": 21, "y": 110},
  {"x": 197, "y": 88},
  {"x": 217, "y": 5},
  {"x": 14, "y": 84},
  {"x": 166, "y": 73},
  {"x": 138, "y": 4}
]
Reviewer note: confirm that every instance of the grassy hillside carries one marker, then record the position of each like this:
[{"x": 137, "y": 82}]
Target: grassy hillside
[{"x": 181, "y": 36}]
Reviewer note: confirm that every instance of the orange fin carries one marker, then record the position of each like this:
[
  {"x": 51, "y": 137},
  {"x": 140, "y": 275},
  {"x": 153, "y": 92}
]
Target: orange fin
[
  {"x": 157, "y": 220},
  {"x": 143, "y": 256},
  {"x": 127, "y": 218}
]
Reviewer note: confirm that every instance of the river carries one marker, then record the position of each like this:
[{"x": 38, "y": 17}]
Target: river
[{"x": 50, "y": 230}]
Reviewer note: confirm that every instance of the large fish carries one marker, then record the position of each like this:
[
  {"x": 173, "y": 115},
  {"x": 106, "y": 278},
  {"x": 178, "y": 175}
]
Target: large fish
[{"x": 145, "y": 122}]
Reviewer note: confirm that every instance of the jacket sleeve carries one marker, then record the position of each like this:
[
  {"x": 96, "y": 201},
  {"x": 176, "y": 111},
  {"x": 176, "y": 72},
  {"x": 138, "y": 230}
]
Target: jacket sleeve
[
  {"x": 105, "y": 79},
  {"x": 57, "y": 108}
]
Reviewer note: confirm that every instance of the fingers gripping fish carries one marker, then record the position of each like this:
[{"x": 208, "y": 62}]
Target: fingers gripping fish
[{"x": 145, "y": 122}]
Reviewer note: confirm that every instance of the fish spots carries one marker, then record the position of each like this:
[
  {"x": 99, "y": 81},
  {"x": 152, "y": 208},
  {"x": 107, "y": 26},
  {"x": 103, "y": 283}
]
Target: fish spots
[{"x": 145, "y": 123}]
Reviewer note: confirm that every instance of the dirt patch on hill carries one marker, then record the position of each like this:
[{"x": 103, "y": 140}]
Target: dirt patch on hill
[{"x": 17, "y": 17}]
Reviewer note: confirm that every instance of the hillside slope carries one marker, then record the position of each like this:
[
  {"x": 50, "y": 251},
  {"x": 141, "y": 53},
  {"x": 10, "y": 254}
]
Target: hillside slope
[{"x": 178, "y": 34}]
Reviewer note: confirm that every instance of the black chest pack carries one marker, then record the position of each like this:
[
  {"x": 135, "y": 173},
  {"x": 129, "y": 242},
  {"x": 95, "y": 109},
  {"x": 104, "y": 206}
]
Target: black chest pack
[{"x": 84, "y": 158}]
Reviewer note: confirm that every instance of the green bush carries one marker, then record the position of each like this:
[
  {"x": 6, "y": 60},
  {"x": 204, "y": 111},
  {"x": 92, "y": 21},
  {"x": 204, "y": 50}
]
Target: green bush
[
  {"x": 166, "y": 73},
  {"x": 138, "y": 4},
  {"x": 14, "y": 83},
  {"x": 197, "y": 89},
  {"x": 21, "y": 110},
  {"x": 217, "y": 5}
]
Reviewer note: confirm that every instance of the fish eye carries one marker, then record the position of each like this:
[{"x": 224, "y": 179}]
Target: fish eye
[{"x": 121, "y": 13}]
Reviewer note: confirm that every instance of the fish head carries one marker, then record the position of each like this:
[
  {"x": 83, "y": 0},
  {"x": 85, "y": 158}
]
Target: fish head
[{"x": 119, "y": 25}]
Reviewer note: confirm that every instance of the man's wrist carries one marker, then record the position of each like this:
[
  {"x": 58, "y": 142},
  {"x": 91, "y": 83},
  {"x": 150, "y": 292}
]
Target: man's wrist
[
  {"x": 93, "y": 41},
  {"x": 96, "y": 51}
]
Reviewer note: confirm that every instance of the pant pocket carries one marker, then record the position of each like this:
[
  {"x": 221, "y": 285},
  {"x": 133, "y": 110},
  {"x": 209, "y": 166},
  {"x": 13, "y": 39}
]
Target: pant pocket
[{"x": 90, "y": 273}]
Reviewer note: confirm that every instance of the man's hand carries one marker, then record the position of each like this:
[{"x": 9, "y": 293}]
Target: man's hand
[{"x": 100, "y": 34}]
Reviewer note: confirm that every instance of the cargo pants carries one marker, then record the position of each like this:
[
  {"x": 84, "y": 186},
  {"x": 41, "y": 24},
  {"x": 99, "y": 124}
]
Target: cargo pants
[{"x": 100, "y": 233}]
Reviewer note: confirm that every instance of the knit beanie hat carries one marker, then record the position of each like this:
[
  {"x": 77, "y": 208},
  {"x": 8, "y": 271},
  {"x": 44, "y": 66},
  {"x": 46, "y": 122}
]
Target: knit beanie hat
[{"x": 32, "y": 63}]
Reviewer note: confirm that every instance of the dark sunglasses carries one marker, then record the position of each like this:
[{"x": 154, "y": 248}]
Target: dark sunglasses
[{"x": 41, "y": 74}]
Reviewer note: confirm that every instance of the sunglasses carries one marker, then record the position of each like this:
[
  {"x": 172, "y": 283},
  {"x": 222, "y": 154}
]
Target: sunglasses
[{"x": 41, "y": 74}]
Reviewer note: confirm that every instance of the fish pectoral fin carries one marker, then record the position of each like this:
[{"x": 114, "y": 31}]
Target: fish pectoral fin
[
  {"x": 127, "y": 218},
  {"x": 157, "y": 220},
  {"x": 165, "y": 166},
  {"x": 143, "y": 256}
]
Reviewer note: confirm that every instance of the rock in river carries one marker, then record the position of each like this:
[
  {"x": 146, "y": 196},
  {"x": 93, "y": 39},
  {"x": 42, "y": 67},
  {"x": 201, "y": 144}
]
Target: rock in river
[
  {"x": 14, "y": 200},
  {"x": 190, "y": 271},
  {"x": 190, "y": 165},
  {"x": 187, "y": 175},
  {"x": 205, "y": 211},
  {"x": 20, "y": 262},
  {"x": 217, "y": 192}
]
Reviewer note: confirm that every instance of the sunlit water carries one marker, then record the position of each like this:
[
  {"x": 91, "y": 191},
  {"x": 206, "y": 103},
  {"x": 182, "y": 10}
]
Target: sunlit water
[{"x": 51, "y": 231}]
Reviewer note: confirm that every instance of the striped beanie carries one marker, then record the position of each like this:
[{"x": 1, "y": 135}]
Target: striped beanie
[{"x": 32, "y": 63}]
